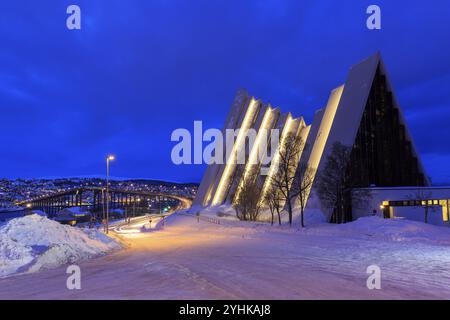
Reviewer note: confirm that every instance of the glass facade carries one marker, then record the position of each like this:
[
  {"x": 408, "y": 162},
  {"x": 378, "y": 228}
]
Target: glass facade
[{"x": 382, "y": 154}]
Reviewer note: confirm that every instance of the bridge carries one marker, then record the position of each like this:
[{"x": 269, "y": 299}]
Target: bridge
[{"x": 94, "y": 198}]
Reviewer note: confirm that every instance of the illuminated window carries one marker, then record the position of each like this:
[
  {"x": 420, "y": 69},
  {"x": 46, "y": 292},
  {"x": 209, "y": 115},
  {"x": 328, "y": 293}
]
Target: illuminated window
[{"x": 445, "y": 212}]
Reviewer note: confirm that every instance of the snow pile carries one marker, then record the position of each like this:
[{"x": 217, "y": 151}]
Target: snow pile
[{"x": 31, "y": 243}]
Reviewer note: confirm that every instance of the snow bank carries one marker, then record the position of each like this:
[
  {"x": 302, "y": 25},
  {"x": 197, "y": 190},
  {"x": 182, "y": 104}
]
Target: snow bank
[
  {"x": 156, "y": 224},
  {"x": 74, "y": 210},
  {"x": 225, "y": 212},
  {"x": 31, "y": 243},
  {"x": 396, "y": 229},
  {"x": 372, "y": 228},
  {"x": 311, "y": 217}
]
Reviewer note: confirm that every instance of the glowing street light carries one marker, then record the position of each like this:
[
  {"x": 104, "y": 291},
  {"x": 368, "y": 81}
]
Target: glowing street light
[{"x": 108, "y": 159}]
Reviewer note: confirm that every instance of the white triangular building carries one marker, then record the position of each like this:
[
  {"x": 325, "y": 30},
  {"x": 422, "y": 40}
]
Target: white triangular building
[{"x": 363, "y": 113}]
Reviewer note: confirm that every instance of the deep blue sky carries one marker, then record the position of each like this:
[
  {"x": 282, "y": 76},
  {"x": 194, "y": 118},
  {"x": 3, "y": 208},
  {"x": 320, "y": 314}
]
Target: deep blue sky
[{"x": 139, "y": 69}]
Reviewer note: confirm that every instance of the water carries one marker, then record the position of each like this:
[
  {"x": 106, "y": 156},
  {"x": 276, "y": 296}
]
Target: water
[{"x": 8, "y": 215}]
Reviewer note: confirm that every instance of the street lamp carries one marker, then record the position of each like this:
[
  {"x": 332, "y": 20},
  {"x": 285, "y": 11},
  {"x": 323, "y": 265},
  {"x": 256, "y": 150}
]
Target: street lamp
[{"x": 108, "y": 159}]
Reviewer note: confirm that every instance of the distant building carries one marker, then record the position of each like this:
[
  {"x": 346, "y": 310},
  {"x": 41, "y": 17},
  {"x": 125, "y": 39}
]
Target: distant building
[{"x": 363, "y": 113}]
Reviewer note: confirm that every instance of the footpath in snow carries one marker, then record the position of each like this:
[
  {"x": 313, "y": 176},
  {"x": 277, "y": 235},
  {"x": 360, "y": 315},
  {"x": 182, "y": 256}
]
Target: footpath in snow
[{"x": 33, "y": 242}]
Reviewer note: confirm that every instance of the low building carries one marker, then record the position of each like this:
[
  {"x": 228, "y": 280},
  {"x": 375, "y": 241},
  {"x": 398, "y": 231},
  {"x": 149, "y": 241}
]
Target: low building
[{"x": 425, "y": 204}]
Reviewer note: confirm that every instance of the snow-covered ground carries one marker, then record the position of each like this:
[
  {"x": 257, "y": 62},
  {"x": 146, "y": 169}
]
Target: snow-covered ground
[
  {"x": 187, "y": 259},
  {"x": 33, "y": 242}
]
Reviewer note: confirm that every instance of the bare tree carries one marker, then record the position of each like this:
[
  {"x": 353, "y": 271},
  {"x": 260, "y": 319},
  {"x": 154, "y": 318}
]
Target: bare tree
[
  {"x": 273, "y": 201},
  {"x": 336, "y": 187},
  {"x": 423, "y": 196},
  {"x": 247, "y": 203},
  {"x": 288, "y": 154},
  {"x": 304, "y": 178}
]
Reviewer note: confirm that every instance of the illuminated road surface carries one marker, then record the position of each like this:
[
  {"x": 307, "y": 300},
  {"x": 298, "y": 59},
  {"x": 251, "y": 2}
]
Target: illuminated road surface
[
  {"x": 137, "y": 225},
  {"x": 146, "y": 223}
]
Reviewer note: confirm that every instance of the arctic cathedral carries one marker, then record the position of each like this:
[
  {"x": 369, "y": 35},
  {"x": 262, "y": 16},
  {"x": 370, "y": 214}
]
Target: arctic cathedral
[{"x": 363, "y": 113}]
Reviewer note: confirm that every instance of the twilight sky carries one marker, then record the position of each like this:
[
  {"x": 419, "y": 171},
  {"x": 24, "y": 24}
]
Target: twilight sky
[{"x": 138, "y": 69}]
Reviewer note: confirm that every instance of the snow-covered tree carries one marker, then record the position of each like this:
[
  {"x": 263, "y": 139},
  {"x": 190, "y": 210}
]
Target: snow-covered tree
[
  {"x": 247, "y": 203},
  {"x": 304, "y": 178},
  {"x": 274, "y": 203},
  {"x": 288, "y": 154}
]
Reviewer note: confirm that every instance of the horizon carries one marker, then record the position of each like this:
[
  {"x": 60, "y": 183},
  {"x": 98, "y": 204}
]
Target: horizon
[{"x": 100, "y": 177}]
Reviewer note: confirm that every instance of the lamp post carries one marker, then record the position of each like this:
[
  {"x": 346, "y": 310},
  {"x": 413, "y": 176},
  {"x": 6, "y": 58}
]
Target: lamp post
[{"x": 108, "y": 159}]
